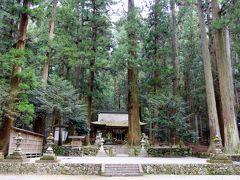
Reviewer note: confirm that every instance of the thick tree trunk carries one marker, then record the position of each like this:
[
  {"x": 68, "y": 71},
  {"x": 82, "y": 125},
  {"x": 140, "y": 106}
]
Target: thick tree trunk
[
  {"x": 9, "y": 114},
  {"x": 231, "y": 137},
  {"x": 229, "y": 60},
  {"x": 176, "y": 85},
  {"x": 211, "y": 103},
  {"x": 215, "y": 71},
  {"x": 175, "y": 61},
  {"x": 92, "y": 72},
  {"x": 46, "y": 65},
  {"x": 156, "y": 75},
  {"x": 134, "y": 130}
]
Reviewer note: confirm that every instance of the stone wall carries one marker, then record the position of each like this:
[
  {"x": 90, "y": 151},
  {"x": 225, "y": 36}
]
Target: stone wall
[
  {"x": 49, "y": 168},
  {"x": 168, "y": 152},
  {"x": 69, "y": 151},
  {"x": 94, "y": 169},
  {"x": 192, "y": 169}
]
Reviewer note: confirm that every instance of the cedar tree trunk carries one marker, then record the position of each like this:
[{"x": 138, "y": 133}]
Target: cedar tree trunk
[
  {"x": 134, "y": 130},
  {"x": 231, "y": 138},
  {"x": 46, "y": 65},
  {"x": 9, "y": 114},
  {"x": 211, "y": 103},
  {"x": 176, "y": 85}
]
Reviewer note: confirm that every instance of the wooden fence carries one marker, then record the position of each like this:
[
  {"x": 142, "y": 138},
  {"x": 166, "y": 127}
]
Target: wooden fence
[{"x": 31, "y": 145}]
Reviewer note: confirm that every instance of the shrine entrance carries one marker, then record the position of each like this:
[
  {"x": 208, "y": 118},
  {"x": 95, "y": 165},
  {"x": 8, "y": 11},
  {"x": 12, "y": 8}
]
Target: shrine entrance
[{"x": 113, "y": 126}]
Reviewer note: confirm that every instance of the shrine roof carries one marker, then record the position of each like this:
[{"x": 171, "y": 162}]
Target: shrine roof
[{"x": 113, "y": 119}]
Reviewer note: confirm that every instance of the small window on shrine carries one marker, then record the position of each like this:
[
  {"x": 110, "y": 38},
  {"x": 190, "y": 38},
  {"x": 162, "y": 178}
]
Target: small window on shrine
[{"x": 119, "y": 136}]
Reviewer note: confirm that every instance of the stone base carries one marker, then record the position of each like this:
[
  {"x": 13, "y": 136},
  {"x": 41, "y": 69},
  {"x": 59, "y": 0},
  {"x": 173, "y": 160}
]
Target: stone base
[
  {"x": 17, "y": 156},
  {"x": 47, "y": 161},
  {"x": 219, "y": 158},
  {"x": 48, "y": 158}
]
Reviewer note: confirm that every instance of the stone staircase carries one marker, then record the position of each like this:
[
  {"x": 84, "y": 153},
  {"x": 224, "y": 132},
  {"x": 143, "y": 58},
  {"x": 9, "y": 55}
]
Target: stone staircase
[{"x": 121, "y": 170}]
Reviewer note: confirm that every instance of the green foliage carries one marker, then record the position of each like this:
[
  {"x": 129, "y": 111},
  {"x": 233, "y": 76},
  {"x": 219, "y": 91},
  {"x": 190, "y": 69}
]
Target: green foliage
[
  {"x": 171, "y": 117},
  {"x": 4, "y": 87},
  {"x": 61, "y": 94},
  {"x": 169, "y": 152},
  {"x": 8, "y": 24},
  {"x": 24, "y": 107},
  {"x": 16, "y": 57},
  {"x": 72, "y": 49}
]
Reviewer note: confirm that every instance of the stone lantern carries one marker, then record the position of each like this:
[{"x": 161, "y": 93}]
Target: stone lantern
[
  {"x": 49, "y": 155},
  {"x": 218, "y": 156},
  {"x": 143, "y": 152},
  {"x": 17, "y": 153},
  {"x": 101, "y": 152},
  {"x": 218, "y": 145}
]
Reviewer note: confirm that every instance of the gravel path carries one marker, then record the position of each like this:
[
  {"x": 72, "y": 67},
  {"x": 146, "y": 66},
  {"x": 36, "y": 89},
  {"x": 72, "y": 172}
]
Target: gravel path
[{"x": 130, "y": 160}]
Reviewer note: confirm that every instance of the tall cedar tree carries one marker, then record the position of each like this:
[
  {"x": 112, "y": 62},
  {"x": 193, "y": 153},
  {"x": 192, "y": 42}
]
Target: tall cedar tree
[
  {"x": 91, "y": 68},
  {"x": 231, "y": 138},
  {"x": 176, "y": 85},
  {"x": 134, "y": 130},
  {"x": 211, "y": 103},
  {"x": 9, "y": 114}
]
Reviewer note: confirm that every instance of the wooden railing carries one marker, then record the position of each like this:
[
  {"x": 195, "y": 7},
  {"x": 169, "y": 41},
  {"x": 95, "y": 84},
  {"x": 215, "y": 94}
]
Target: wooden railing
[{"x": 31, "y": 145}]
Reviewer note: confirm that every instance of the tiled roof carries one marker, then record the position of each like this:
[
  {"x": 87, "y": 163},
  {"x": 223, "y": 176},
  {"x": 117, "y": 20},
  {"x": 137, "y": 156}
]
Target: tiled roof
[{"x": 113, "y": 120}]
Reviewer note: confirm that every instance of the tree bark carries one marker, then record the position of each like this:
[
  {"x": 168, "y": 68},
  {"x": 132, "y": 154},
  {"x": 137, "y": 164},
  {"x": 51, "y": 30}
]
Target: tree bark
[
  {"x": 156, "y": 74},
  {"x": 92, "y": 71},
  {"x": 45, "y": 71},
  {"x": 134, "y": 130},
  {"x": 176, "y": 85},
  {"x": 215, "y": 71},
  {"x": 211, "y": 103},
  {"x": 9, "y": 114},
  {"x": 231, "y": 137}
]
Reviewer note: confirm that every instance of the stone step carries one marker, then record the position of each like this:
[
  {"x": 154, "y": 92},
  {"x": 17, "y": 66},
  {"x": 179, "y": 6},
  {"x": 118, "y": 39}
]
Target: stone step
[
  {"x": 121, "y": 174},
  {"x": 122, "y": 166},
  {"x": 121, "y": 170},
  {"x": 122, "y": 155}
]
